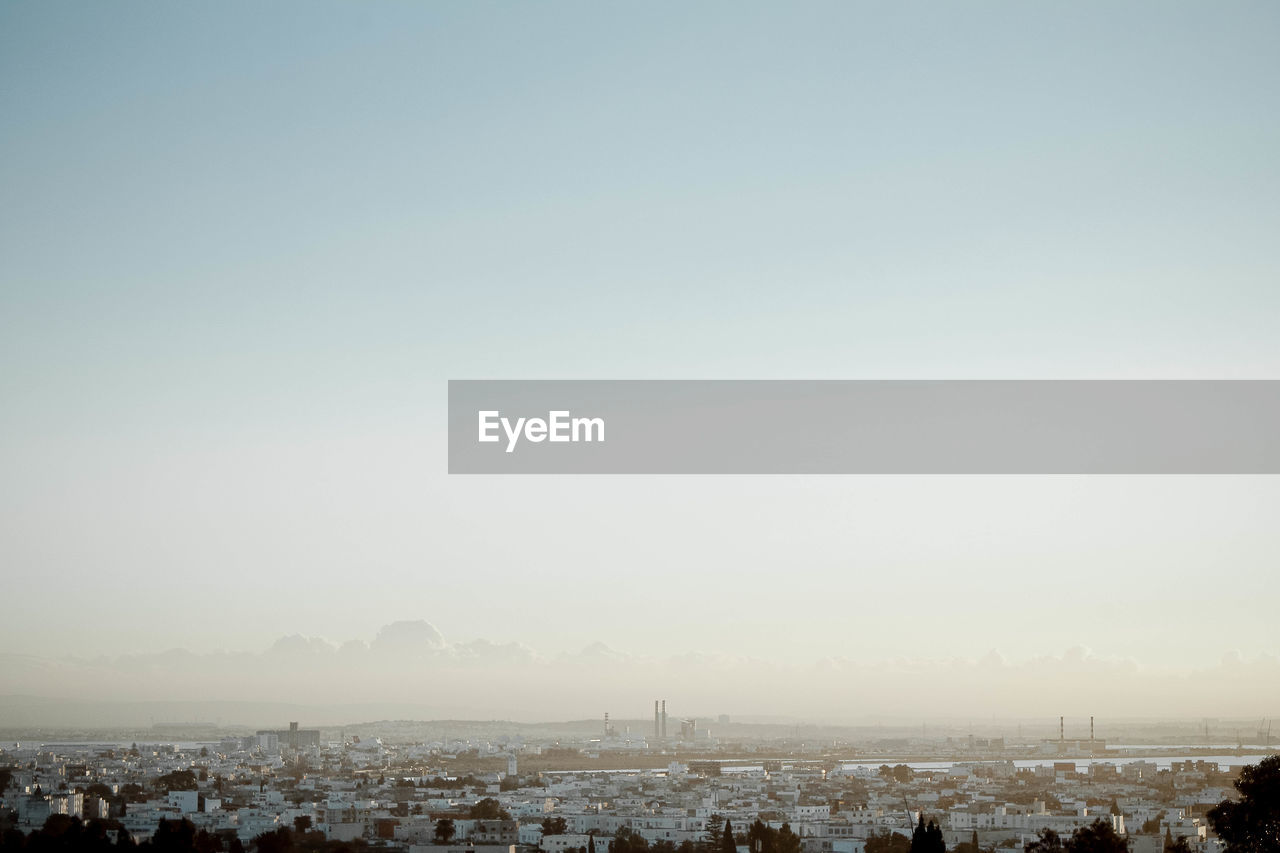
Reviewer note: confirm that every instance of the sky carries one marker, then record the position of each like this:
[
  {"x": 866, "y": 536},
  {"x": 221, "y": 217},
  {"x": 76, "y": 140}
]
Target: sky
[{"x": 245, "y": 246}]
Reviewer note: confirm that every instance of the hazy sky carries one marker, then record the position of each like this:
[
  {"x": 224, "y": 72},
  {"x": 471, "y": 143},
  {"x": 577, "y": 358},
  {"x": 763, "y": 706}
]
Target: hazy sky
[{"x": 243, "y": 246}]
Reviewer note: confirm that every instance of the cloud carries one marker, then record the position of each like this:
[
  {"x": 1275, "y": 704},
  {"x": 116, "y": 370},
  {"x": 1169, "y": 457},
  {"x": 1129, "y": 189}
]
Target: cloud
[
  {"x": 410, "y": 663},
  {"x": 408, "y": 638}
]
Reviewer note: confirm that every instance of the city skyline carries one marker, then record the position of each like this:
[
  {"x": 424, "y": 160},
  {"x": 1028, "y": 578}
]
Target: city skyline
[{"x": 411, "y": 667}]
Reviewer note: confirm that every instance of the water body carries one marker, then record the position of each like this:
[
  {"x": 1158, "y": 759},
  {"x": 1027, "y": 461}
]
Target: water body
[{"x": 1161, "y": 761}]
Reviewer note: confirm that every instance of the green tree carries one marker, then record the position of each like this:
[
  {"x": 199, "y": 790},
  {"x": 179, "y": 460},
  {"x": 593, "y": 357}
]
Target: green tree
[
  {"x": 886, "y": 841},
  {"x": 207, "y": 842},
  {"x": 626, "y": 841},
  {"x": 1047, "y": 841},
  {"x": 927, "y": 838},
  {"x": 1097, "y": 837},
  {"x": 761, "y": 838},
  {"x": 488, "y": 809},
  {"x": 174, "y": 836},
  {"x": 445, "y": 830},
  {"x": 715, "y": 826},
  {"x": 787, "y": 841},
  {"x": 99, "y": 790},
  {"x": 178, "y": 780},
  {"x": 1251, "y": 824},
  {"x": 555, "y": 826},
  {"x": 276, "y": 841},
  {"x": 728, "y": 844}
]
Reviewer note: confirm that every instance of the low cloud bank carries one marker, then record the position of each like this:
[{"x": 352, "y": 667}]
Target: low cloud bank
[{"x": 411, "y": 665}]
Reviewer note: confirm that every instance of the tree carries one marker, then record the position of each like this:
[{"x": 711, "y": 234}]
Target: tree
[
  {"x": 445, "y": 830},
  {"x": 727, "y": 842},
  {"x": 787, "y": 841},
  {"x": 1097, "y": 837},
  {"x": 207, "y": 842},
  {"x": 888, "y": 842},
  {"x": 714, "y": 826},
  {"x": 276, "y": 841},
  {"x": 99, "y": 790},
  {"x": 555, "y": 826},
  {"x": 1251, "y": 824},
  {"x": 178, "y": 780},
  {"x": 761, "y": 838},
  {"x": 626, "y": 841},
  {"x": 174, "y": 836},
  {"x": 927, "y": 839},
  {"x": 488, "y": 809},
  {"x": 1046, "y": 842}
]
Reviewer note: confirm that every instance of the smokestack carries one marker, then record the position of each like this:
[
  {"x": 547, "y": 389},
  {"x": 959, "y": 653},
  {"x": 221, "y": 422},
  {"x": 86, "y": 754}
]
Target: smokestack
[
  {"x": 657, "y": 729},
  {"x": 664, "y": 717},
  {"x": 1062, "y": 729},
  {"x": 1090, "y": 728}
]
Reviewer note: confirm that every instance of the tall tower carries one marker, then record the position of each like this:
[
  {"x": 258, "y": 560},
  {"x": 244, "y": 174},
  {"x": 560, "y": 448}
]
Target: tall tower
[
  {"x": 664, "y": 718},
  {"x": 657, "y": 725}
]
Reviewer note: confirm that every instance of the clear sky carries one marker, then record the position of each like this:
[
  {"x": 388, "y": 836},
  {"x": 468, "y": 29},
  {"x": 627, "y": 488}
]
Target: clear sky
[{"x": 243, "y": 246}]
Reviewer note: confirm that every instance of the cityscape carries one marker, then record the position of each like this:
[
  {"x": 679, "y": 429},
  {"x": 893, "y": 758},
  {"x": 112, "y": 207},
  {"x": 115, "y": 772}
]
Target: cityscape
[
  {"x": 667, "y": 785},
  {"x": 732, "y": 426}
]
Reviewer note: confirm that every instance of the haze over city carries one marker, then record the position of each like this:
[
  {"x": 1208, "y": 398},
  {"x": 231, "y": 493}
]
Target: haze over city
[{"x": 254, "y": 242}]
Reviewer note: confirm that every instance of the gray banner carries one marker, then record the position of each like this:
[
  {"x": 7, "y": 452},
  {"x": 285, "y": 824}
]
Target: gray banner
[{"x": 863, "y": 427}]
